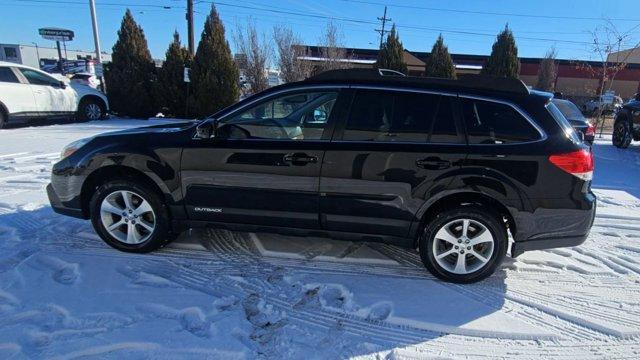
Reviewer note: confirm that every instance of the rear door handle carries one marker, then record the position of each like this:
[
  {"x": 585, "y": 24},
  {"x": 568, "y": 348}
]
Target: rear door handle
[
  {"x": 300, "y": 159},
  {"x": 433, "y": 163}
]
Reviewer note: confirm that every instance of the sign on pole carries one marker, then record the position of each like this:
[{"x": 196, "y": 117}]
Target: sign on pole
[
  {"x": 56, "y": 34},
  {"x": 186, "y": 75}
]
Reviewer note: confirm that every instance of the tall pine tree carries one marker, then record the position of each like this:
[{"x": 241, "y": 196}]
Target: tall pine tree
[
  {"x": 391, "y": 55},
  {"x": 547, "y": 73},
  {"x": 503, "y": 60},
  {"x": 439, "y": 63},
  {"x": 214, "y": 75},
  {"x": 171, "y": 86},
  {"x": 131, "y": 74}
]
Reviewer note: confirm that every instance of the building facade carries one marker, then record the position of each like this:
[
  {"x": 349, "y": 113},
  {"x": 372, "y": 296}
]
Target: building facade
[
  {"x": 37, "y": 56},
  {"x": 576, "y": 79}
]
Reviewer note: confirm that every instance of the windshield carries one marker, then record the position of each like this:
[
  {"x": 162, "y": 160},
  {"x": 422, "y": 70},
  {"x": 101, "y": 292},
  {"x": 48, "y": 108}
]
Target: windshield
[
  {"x": 563, "y": 122},
  {"x": 568, "y": 109}
]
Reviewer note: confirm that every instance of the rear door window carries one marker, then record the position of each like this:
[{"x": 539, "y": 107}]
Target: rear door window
[
  {"x": 7, "y": 75},
  {"x": 387, "y": 116},
  {"x": 490, "y": 122}
]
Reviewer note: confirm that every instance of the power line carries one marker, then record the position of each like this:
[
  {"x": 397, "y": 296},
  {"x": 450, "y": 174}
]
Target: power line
[{"x": 493, "y": 13}]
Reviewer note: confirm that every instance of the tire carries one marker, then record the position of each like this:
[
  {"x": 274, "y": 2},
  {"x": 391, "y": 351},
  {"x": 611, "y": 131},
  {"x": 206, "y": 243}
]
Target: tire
[
  {"x": 3, "y": 119},
  {"x": 141, "y": 240},
  {"x": 482, "y": 225},
  {"x": 90, "y": 109},
  {"x": 621, "y": 137}
]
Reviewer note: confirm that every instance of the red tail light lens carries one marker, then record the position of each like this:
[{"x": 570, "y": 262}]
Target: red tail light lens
[
  {"x": 577, "y": 163},
  {"x": 591, "y": 131}
]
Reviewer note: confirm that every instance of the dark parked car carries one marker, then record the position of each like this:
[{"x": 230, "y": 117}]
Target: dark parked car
[
  {"x": 627, "y": 124},
  {"x": 449, "y": 167},
  {"x": 576, "y": 119}
]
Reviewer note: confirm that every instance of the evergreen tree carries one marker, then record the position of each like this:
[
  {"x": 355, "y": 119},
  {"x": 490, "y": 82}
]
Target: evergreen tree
[
  {"x": 131, "y": 74},
  {"x": 391, "y": 55},
  {"x": 439, "y": 64},
  {"x": 503, "y": 60},
  {"x": 171, "y": 85},
  {"x": 214, "y": 75},
  {"x": 547, "y": 72}
]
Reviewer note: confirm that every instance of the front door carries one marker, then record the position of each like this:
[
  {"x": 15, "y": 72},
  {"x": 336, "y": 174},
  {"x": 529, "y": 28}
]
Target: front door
[
  {"x": 51, "y": 98},
  {"x": 263, "y": 165},
  {"x": 396, "y": 149}
]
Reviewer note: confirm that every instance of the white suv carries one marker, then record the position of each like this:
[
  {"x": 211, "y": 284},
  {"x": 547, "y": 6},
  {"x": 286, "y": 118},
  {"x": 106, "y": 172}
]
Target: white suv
[{"x": 28, "y": 93}]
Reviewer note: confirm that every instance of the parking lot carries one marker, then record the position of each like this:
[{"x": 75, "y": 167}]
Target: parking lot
[{"x": 215, "y": 293}]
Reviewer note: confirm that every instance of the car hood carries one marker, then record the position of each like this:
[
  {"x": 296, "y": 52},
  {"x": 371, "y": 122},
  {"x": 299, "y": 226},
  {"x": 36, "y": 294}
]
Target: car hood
[{"x": 162, "y": 128}]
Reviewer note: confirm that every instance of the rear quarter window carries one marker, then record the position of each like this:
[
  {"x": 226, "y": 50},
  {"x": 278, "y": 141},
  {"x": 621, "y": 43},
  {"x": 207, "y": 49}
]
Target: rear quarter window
[
  {"x": 563, "y": 122},
  {"x": 490, "y": 122}
]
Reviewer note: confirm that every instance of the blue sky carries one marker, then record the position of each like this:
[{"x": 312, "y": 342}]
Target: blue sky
[{"x": 467, "y": 26}]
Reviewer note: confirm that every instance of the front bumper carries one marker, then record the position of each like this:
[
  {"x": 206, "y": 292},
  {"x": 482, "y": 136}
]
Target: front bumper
[{"x": 58, "y": 207}]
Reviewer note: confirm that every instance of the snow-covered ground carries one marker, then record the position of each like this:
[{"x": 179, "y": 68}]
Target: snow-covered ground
[{"x": 218, "y": 294}]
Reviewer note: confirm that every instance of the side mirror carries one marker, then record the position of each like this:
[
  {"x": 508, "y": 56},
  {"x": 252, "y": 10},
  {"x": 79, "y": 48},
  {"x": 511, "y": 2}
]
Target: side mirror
[
  {"x": 319, "y": 115},
  {"x": 60, "y": 84},
  {"x": 205, "y": 130}
]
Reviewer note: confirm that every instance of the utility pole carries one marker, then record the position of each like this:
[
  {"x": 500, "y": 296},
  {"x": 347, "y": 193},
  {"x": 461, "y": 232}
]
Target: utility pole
[
  {"x": 96, "y": 40},
  {"x": 382, "y": 31},
  {"x": 190, "y": 26}
]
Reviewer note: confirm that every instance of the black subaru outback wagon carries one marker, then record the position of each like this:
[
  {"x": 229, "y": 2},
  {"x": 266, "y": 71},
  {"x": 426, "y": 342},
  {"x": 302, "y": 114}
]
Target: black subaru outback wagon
[{"x": 450, "y": 167}]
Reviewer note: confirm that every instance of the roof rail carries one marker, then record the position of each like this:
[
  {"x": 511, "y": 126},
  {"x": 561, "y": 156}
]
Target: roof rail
[
  {"x": 389, "y": 72},
  {"x": 466, "y": 81}
]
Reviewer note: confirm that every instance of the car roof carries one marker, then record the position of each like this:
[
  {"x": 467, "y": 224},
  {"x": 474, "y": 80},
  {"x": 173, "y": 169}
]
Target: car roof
[{"x": 489, "y": 85}]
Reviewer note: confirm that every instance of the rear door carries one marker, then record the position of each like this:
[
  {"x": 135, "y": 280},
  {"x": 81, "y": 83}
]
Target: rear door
[
  {"x": 395, "y": 150},
  {"x": 263, "y": 166}
]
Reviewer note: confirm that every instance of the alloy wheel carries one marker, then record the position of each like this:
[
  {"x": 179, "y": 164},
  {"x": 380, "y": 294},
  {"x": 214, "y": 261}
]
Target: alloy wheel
[
  {"x": 93, "y": 111},
  {"x": 127, "y": 217},
  {"x": 463, "y": 246}
]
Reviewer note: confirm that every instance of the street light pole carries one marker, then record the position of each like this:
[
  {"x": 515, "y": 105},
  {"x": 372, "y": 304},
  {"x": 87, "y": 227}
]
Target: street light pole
[
  {"x": 96, "y": 40},
  {"x": 37, "y": 53}
]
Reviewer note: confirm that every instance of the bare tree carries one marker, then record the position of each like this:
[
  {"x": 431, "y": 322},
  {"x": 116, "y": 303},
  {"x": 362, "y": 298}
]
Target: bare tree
[
  {"x": 289, "y": 55},
  {"x": 548, "y": 71},
  {"x": 334, "y": 56},
  {"x": 607, "y": 40},
  {"x": 257, "y": 52}
]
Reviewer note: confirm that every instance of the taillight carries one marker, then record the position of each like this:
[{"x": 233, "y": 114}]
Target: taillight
[
  {"x": 591, "y": 131},
  {"x": 577, "y": 163}
]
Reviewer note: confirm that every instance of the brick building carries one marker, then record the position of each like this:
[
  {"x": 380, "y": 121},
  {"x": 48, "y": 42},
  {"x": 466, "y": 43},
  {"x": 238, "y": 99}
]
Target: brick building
[{"x": 576, "y": 79}]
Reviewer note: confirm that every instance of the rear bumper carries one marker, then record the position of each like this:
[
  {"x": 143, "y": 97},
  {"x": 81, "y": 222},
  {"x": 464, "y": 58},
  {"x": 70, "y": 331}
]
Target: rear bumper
[
  {"x": 58, "y": 207},
  {"x": 549, "y": 243},
  {"x": 576, "y": 224}
]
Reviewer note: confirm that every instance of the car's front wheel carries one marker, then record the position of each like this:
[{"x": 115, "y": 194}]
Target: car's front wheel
[
  {"x": 91, "y": 109},
  {"x": 463, "y": 245},
  {"x": 130, "y": 217},
  {"x": 621, "y": 137},
  {"x": 3, "y": 119}
]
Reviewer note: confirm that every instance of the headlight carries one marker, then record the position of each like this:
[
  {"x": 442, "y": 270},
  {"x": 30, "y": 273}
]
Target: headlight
[{"x": 73, "y": 147}]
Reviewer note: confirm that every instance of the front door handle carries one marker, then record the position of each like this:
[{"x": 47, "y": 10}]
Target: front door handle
[
  {"x": 433, "y": 163},
  {"x": 300, "y": 159}
]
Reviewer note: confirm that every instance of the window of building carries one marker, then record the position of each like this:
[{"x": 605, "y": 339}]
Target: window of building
[{"x": 10, "y": 53}]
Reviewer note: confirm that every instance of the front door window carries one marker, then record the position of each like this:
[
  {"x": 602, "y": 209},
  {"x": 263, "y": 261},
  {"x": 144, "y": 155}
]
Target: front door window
[{"x": 300, "y": 116}]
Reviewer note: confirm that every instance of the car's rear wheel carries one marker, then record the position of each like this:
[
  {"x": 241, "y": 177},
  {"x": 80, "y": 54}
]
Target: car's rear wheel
[
  {"x": 621, "y": 137},
  {"x": 3, "y": 119},
  {"x": 130, "y": 217},
  {"x": 464, "y": 245},
  {"x": 91, "y": 109}
]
